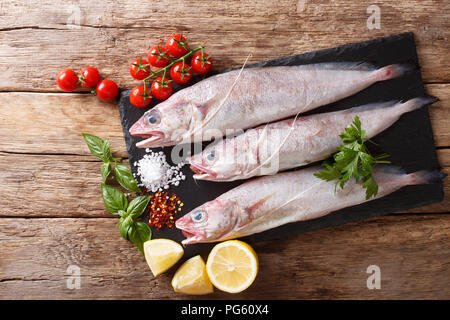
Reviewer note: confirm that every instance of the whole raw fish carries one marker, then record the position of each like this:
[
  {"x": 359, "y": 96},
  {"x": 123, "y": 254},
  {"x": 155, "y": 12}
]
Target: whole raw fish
[
  {"x": 249, "y": 97},
  {"x": 271, "y": 201},
  {"x": 294, "y": 142}
]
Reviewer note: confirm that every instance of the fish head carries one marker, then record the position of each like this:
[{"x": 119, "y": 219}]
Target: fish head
[
  {"x": 219, "y": 162},
  {"x": 163, "y": 125},
  {"x": 209, "y": 222}
]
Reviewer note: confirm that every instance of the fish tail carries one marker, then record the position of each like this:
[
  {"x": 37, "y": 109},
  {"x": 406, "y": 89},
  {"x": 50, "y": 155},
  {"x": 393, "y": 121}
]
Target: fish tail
[
  {"x": 399, "y": 106},
  {"x": 417, "y": 103},
  {"x": 426, "y": 177},
  {"x": 393, "y": 71}
]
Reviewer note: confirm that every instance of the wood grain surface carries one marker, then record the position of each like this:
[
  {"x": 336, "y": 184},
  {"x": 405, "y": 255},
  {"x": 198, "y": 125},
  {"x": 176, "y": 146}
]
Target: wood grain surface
[
  {"x": 328, "y": 263},
  {"x": 51, "y": 212}
]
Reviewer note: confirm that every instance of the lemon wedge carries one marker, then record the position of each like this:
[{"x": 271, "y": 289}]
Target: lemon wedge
[
  {"x": 232, "y": 266},
  {"x": 161, "y": 254},
  {"x": 191, "y": 278}
]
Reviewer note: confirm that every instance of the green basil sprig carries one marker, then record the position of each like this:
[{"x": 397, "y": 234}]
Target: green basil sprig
[
  {"x": 102, "y": 150},
  {"x": 115, "y": 200},
  {"x": 116, "y": 203},
  {"x": 125, "y": 178},
  {"x": 106, "y": 171}
]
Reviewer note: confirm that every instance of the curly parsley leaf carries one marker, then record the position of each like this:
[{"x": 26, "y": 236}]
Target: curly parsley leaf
[{"x": 353, "y": 160}]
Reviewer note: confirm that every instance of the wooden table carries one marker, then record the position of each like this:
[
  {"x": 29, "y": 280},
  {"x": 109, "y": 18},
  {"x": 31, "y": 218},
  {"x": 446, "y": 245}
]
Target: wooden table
[{"x": 52, "y": 215}]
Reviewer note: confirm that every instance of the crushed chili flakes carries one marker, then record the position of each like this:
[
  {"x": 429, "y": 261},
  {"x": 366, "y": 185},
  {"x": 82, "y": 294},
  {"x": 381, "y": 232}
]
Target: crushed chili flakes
[{"x": 162, "y": 209}]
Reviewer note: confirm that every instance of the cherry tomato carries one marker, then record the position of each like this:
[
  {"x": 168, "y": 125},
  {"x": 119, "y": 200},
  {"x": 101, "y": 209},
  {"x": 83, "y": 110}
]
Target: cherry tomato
[
  {"x": 107, "y": 90},
  {"x": 157, "y": 56},
  {"x": 139, "y": 69},
  {"x": 181, "y": 74},
  {"x": 162, "y": 89},
  {"x": 67, "y": 80},
  {"x": 201, "y": 65},
  {"x": 139, "y": 98},
  {"x": 89, "y": 77},
  {"x": 176, "y": 45}
]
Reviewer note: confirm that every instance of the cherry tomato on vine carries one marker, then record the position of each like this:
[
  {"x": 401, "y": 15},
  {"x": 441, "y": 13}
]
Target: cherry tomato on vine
[
  {"x": 176, "y": 45},
  {"x": 162, "y": 89},
  {"x": 89, "y": 77},
  {"x": 157, "y": 56},
  {"x": 139, "y": 68},
  {"x": 201, "y": 65},
  {"x": 140, "y": 98},
  {"x": 67, "y": 80},
  {"x": 181, "y": 74},
  {"x": 107, "y": 90}
]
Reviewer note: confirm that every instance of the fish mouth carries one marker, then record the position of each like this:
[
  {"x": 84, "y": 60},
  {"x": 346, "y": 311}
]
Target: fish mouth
[
  {"x": 201, "y": 173},
  {"x": 151, "y": 138},
  {"x": 192, "y": 236}
]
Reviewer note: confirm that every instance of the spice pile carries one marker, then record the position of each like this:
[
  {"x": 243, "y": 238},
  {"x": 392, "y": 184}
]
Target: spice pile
[
  {"x": 162, "y": 209},
  {"x": 156, "y": 174}
]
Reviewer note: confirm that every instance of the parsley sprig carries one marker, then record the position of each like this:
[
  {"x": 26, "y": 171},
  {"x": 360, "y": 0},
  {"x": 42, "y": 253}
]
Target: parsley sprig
[{"x": 353, "y": 160}]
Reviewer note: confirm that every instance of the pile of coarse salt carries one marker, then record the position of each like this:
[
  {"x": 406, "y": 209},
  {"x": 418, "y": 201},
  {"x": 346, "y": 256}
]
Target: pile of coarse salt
[{"x": 156, "y": 174}]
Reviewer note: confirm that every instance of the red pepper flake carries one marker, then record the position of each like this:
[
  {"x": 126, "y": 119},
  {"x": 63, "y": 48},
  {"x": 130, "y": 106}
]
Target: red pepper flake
[{"x": 162, "y": 209}]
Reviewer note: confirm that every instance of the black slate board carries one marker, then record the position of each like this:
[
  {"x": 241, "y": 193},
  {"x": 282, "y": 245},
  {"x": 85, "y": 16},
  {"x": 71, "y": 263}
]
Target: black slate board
[{"x": 409, "y": 141}]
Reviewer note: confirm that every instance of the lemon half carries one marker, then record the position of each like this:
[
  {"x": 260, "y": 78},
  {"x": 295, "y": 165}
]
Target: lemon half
[
  {"x": 232, "y": 266},
  {"x": 161, "y": 254},
  {"x": 191, "y": 278}
]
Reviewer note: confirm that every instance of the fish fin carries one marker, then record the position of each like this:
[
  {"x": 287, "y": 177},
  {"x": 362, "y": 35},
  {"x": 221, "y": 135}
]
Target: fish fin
[
  {"x": 223, "y": 98},
  {"x": 259, "y": 203},
  {"x": 374, "y": 106},
  {"x": 427, "y": 176},
  {"x": 388, "y": 169},
  {"x": 393, "y": 71},
  {"x": 205, "y": 107},
  {"x": 358, "y": 65}
]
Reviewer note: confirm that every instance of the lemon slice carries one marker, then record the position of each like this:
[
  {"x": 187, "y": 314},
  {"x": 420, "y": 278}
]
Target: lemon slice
[
  {"x": 232, "y": 266},
  {"x": 161, "y": 254},
  {"x": 191, "y": 278}
]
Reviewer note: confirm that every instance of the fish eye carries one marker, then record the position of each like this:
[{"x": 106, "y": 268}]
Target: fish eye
[
  {"x": 153, "y": 117},
  {"x": 198, "y": 217},
  {"x": 211, "y": 155}
]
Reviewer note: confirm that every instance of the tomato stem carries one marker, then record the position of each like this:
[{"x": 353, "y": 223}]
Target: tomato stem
[{"x": 154, "y": 73}]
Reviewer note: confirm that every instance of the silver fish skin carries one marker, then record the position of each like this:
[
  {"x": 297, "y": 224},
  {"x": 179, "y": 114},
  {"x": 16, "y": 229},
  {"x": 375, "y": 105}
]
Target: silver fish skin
[
  {"x": 271, "y": 201},
  {"x": 242, "y": 99},
  {"x": 294, "y": 142}
]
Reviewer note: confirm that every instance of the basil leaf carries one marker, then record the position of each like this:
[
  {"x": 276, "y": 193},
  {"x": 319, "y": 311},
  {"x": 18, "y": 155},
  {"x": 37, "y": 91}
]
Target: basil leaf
[
  {"x": 106, "y": 170},
  {"x": 114, "y": 199},
  {"x": 139, "y": 233},
  {"x": 137, "y": 206},
  {"x": 106, "y": 151},
  {"x": 125, "y": 178},
  {"x": 95, "y": 145},
  {"x": 125, "y": 225}
]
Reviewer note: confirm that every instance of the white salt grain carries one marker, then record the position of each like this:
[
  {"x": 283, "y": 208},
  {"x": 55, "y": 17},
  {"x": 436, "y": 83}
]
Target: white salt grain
[{"x": 156, "y": 174}]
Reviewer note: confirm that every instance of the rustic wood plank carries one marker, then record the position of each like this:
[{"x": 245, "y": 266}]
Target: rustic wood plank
[
  {"x": 230, "y": 30},
  {"x": 69, "y": 186},
  {"x": 50, "y": 186},
  {"x": 52, "y": 123},
  {"x": 440, "y": 113},
  {"x": 411, "y": 251}
]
